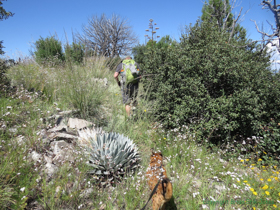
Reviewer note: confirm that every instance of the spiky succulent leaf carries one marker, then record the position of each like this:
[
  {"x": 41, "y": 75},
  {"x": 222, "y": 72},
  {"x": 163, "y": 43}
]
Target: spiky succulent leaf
[{"x": 111, "y": 154}]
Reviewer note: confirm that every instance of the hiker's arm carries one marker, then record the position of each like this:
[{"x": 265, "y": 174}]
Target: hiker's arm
[
  {"x": 116, "y": 75},
  {"x": 117, "y": 72}
]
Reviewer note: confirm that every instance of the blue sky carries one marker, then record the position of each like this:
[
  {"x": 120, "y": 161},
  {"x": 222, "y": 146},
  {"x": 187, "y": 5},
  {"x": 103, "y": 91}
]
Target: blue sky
[{"x": 35, "y": 18}]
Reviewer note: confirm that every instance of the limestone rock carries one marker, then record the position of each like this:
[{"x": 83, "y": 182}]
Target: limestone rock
[
  {"x": 75, "y": 123},
  {"x": 63, "y": 152},
  {"x": 35, "y": 156}
]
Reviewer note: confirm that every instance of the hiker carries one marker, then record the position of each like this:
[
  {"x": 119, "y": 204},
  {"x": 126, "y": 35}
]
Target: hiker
[{"x": 129, "y": 71}]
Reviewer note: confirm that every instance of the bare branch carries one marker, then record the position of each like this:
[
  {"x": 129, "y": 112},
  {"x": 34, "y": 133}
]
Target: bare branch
[
  {"x": 233, "y": 25},
  {"x": 109, "y": 37},
  {"x": 276, "y": 31},
  {"x": 261, "y": 32},
  {"x": 273, "y": 8}
]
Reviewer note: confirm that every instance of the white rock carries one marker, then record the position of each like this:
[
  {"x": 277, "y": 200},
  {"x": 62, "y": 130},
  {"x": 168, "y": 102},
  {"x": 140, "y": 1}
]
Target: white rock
[
  {"x": 75, "y": 123},
  {"x": 35, "y": 156}
]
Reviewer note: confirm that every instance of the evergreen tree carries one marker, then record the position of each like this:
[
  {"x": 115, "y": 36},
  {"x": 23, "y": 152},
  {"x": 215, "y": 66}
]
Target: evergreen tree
[
  {"x": 220, "y": 12},
  {"x": 139, "y": 50},
  {"x": 48, "y": 50},
  {"x": 75, "y": 52},
  {"x": 3, "y": 16}
]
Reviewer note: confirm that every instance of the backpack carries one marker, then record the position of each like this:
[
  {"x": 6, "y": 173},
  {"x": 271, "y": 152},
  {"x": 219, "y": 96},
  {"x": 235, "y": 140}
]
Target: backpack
[{"x": 129, "y": 72}]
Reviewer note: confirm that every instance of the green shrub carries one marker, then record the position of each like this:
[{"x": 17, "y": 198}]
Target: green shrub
[
  {"x": 139, "y": 51},
  {"x": 48, "y": 51},
  {"x": 223, "y": 90},
  {"x": 5, "y": 64},
  {"x": 74, "y": 53}
]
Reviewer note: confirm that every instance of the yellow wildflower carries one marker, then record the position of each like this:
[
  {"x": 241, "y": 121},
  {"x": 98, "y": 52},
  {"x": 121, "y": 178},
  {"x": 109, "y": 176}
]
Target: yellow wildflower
[
  {"x": 266, "y": 192},
  {"x": 247, "y": 159},
  {"x": 259, "y": 159},
  {"x": 265, "y": 187},
  {"x": 264, "y": 152},
  {"x": 276, "y": 178},
  {"x": 252, "y": 168},
  {"x": 145, "y": 110},
  {"x": 245, "y": 181},
  {"x": 255, "y": 193},
  {"x": 241, "y": 160},
  {"x": 275, "y": 167},
  {"x": 269, "y": 180},
  {"x": 274, "y": 206},
  {"x": 261, "y": 179},
  {"x": 253, "y": 164},
  {"x": 254, "y": 208},
  {"x": 279, "y": 194},
  {"x": 252, "y": 189}
]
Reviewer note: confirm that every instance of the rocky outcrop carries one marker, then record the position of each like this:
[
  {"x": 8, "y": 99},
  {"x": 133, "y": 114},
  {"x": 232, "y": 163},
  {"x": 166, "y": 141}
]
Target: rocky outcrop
[{"x": 63, "y": 142}]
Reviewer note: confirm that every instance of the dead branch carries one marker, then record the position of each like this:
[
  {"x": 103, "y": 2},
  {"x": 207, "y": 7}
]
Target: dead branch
[{"x": 108, "y": 37}]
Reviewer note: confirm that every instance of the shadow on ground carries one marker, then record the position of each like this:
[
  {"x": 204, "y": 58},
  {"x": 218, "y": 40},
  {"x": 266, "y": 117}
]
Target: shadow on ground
[{"x": 170, "y": 205}]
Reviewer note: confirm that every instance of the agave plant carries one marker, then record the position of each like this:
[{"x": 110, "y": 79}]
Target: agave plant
[{"x": 111, "y": 155}]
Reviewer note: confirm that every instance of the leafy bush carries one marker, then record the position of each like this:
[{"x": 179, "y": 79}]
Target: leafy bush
[
  {"x": 74, "y": 53},
  {"x": 48, "y": 51},
  {"x": 5, "y": 64},
  {"x": 224, "y": 91},
  {"x": 140, "y": 50}
]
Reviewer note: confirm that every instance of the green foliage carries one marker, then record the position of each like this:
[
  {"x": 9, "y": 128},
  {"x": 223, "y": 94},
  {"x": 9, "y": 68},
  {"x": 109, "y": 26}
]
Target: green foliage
[
  {"x": 3, "y": 16},
  {"x": 1, "y": 47},
  {"x": 48, "y": 50},
  {"x": 74, "y": 53},
  {"x": 5, "y": 64},
  {"x": 220, "y": 12},
  {"x": 269, "y": 144},
  {"x": 3, "y": 13},
  {"x": 223, "y": 91},
  {"x": 214, "y": 11},
  {"x": 140, "y": 50}
]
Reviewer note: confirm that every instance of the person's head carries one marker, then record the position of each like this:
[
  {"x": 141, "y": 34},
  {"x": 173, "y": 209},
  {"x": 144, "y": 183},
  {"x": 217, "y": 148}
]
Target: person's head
[{"x": 128, "y": 58}]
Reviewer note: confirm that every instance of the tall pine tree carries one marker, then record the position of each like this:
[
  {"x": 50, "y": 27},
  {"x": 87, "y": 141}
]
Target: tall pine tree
[
  {"x": 220, "y": 13},
  {"x": 3, "y": 16}
]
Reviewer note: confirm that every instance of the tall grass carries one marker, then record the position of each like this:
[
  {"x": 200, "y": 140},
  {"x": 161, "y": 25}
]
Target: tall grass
[{"x": 77, "y": 87}]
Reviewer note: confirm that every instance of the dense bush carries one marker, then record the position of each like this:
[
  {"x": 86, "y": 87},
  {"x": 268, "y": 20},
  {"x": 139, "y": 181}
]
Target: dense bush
[
  {"x": 224, "y": 90},
  {"x": 48, "y": 50},
  {"x": 140, "y": 50},
  {"x": 5, "y": 64},
  {"x": 74, "y": 53}
]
